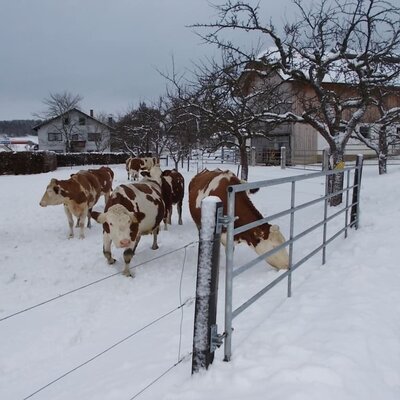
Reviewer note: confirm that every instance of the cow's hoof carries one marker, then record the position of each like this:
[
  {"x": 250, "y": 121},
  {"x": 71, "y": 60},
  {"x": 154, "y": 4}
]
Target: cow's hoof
[
  {"x": 81, "y": 236},
  {"x": 111, "y": 261},
  {"x": 154, "y": 247},
  {"x": 70, "y": 236},
  {"x": 129, "y": 273}
]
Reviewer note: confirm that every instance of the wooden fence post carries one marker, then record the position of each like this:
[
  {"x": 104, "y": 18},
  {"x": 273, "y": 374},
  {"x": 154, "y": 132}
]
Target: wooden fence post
[{"x": 207, "y": 284}]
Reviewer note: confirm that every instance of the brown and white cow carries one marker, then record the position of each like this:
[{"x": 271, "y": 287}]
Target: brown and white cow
[
  {"x": 132, "y": 210},
  {"x": 133, "y": 168},
  {"x": 176, "y": 188},
  {"x": 105, "y": 175},
  {"x": 261, "y": 238},
  {"x": 173, "y": 190},
  {"x": 78, "y": 194},
  {"x": 135, "y": 165}
]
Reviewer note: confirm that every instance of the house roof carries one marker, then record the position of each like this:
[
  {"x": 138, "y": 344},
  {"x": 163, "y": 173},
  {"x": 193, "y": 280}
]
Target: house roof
[
  {"x": 338, "y": 72},
  {"x": 48, "y": 121}
]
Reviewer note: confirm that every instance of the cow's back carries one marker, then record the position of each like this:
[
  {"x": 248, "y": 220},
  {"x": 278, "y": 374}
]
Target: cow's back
[
  {"x": 143, "y": 199},
  {"x": 215, "y": 183},
  {"x": 176, "y": 182},
  {"x": 89, "y": 185},
  {"x": 105, "y": 176}
]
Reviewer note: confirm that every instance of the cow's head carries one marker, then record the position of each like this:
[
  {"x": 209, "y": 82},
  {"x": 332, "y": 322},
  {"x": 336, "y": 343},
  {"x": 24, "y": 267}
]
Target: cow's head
[
  {"x": 52, "y": 196},
  {"x": 270, "y": 240},
  {"x": 120, "y": 224}
]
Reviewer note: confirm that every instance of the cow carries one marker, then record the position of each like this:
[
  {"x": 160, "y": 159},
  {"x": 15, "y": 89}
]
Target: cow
[
  {"x": 133, "y": 210},
  {"x": 133, "y": 168},
  {"x": 173, "y": 190},
  {"x": 135, "y": 165},
  {"x": 78, "y": 194},
  {"x": 105, "y": 176},
  {"x": 262, "y": 238},
  {"x": 176, "y": 188}
]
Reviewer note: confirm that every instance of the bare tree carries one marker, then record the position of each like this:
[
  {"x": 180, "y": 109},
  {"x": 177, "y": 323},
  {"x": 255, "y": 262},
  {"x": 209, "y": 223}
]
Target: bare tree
[
  {"x": 355, "y": 42},
  {"x": 383, "y": 133},
  {"x": 226, "y": 105},
  {"x": 140, "y": 130},
  {"x": 60, "y": 105}
]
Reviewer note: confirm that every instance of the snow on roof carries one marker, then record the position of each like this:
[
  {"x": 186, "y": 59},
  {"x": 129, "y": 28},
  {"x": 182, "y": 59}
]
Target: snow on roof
[{"x": 337, "y": 71}]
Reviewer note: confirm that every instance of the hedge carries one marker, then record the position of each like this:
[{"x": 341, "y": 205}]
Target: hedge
[
  {"x": 27, "y": 162},
  {"x": 35, "y": 162}
]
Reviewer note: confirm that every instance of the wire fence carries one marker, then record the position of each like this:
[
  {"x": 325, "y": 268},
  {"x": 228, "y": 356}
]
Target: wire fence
[{"x": 182, "y": 304}]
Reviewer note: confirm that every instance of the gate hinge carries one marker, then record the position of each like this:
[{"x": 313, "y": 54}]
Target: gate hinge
[{"x": 216, "y": 339}]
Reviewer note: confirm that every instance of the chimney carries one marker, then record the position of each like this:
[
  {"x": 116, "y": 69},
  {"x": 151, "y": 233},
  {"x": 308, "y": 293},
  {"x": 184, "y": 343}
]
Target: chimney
[
  {"x": 110, "y": 120},
  {"x": 91, "y": 113}
]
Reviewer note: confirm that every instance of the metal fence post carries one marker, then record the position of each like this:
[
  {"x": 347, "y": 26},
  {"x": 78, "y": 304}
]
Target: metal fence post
[
  {"x": 355, "y": 209},
  {"x": 283, "y": 157},
  {"x": 229, "y": 274},
  {"x": 205, "y": 332}
]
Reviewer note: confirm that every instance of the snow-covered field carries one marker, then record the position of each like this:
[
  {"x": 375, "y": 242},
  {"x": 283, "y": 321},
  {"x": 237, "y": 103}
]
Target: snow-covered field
[{"x": 336, "y": 338}]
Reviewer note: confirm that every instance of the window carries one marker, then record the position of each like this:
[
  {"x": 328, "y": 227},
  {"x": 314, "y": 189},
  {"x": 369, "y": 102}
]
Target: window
[
  {"x": 54, "y": 137},
  {"x": 75, "y": 136},
  {"x": 82, "y": 121},
  {"x": 93, "y": 136},
  {"x": 66, "y": 121},
  {"x": 364, "y": 131}
]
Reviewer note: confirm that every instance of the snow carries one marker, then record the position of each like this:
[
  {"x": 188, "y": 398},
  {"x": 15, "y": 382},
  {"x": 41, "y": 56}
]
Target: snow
[{"x": 336, "y": 338}]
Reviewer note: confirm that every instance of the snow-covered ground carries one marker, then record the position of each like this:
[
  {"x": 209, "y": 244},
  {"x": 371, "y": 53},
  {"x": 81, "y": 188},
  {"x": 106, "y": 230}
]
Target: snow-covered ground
[{"x": 336, "y": 338}]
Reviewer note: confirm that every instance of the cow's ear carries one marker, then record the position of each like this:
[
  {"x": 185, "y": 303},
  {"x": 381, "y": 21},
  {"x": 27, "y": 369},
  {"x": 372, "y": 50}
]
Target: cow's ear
[
  {"x": 145, "y": 173},
  {"x": 99, "y": 217},
  {"x": 56, "y": 189}
]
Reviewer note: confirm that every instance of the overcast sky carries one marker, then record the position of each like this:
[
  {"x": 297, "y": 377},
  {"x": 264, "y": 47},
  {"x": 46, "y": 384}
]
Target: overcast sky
[{"x": 108, "y": 51}]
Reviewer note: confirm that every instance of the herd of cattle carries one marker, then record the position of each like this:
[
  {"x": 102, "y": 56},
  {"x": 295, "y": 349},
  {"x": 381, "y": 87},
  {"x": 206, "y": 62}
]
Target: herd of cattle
[{"x": 137, "y": 208}]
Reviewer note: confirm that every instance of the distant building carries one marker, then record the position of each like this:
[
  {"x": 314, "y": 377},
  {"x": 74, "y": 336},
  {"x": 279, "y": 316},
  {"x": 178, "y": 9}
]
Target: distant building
[
  {"x": 303, "y": 143},
  {"x": 74, "y": 131}
]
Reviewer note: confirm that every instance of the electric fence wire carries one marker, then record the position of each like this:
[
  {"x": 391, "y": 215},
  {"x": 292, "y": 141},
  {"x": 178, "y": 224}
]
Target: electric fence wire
[
  {"x": 188, "y": 301},
  {"x": 92, "y": 283},
  {"x": 160, "y": 376}
]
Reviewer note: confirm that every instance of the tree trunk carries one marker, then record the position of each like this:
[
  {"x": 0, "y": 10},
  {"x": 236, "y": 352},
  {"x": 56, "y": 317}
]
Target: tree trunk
[
  {"x": 383, "y": 152},
  {"x": 382, "y": 163},
  {"x": 244, "y": 162},
  {"x": 335, "y": 181}
]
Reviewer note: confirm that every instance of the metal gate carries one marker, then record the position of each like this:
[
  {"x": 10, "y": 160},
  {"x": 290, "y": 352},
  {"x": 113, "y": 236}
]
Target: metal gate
[{"x": 351, "y": 206}]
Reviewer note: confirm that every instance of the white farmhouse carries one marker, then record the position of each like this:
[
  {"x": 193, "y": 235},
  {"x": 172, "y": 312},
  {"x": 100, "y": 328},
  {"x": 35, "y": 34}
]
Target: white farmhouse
[{"x": 74, "y": 131}]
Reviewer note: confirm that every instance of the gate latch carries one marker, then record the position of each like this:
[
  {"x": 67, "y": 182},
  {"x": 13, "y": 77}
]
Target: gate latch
[{"x": 216, "y": 339}]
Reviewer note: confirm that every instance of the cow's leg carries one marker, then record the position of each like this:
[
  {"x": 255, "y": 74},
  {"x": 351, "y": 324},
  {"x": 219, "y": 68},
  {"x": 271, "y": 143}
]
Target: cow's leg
[
  {"x": 107, "y": 248},
  {"x": 70, "y": 221},
  {"x": 128, "y": 254},
  {"x": 136, "y": 243},
  {"x": 155, "y": 233},
  {"x": 179, "y": 208},
  {"x": 169, "y": 219},
  {"x": 82, "y": 224},
  {"x": 89, "y": 216}
]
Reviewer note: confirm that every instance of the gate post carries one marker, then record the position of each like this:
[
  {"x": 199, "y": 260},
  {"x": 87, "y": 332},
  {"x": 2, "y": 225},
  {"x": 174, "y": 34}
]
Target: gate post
[
  {"x": 205, "y": 335},
  {"x": 355, "y": 209}
]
